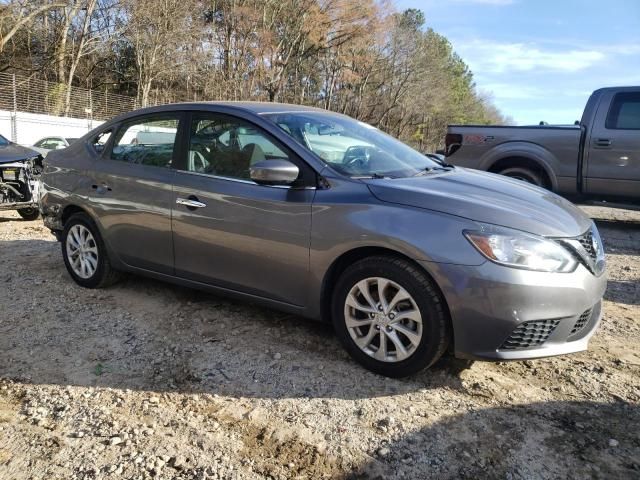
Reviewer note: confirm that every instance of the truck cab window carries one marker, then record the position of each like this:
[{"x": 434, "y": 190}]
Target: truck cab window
[{"x": 624, "y": 113}]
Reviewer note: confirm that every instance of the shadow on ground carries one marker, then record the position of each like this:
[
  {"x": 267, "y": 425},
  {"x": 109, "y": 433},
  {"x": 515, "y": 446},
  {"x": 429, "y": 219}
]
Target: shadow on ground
[
  {"x": 541, "y": 440},
  {"x": 148, "y": 335},
  {"x": 623, "y": 291}
]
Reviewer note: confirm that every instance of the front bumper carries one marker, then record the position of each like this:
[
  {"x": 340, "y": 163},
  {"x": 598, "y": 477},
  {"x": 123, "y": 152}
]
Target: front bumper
[
  {"x": 502, "y": 313},
  {"x": 17, "y": 205}
]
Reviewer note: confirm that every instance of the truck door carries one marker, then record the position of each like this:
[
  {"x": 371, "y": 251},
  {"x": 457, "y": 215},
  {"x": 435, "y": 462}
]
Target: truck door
[{"x": 613, "y": 148}]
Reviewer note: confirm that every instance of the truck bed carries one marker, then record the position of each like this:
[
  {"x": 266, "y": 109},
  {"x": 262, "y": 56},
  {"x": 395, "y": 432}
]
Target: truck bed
[{"x": 491, "y": 147}]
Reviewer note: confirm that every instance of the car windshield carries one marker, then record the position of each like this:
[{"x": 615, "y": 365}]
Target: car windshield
[
  {"x": 3, "y": 141},
  {"x": 352, "y": 147},
  {"x": 71, "y": 140}
]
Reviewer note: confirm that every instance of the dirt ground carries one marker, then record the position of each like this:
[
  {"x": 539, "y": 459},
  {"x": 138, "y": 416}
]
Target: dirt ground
[{"x": 148, "y": 380}]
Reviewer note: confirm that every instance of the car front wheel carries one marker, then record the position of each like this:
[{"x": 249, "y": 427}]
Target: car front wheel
[
  {"x": 84, "y": 253},
  {"x": 390, "y": 316}
]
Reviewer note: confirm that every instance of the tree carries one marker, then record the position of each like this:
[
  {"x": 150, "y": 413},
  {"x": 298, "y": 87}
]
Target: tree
[
  {"x": 17, "y": 15},
  {"x": 362, "y": 58},
  {"x": 157, "y": 30}
]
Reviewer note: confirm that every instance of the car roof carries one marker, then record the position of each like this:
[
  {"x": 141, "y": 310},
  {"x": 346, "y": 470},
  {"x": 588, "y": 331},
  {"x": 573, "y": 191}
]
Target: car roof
[
  {"x": 268, "y": 107},
  {"x": 257, "y": 108}
]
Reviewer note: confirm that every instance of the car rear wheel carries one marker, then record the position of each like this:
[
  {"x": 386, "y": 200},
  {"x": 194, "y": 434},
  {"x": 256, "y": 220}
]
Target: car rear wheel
[
  {"x": 524, "y": 174},
  {"x": 390, "y": 316},
  {"x": 84, "y": 253},
  {"x": 29, "y": 214}
]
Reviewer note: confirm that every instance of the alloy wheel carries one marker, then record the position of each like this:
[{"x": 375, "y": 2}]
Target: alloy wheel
[
  {"x": 82, "y": 251},
  {"x": 383, "y": 319}
]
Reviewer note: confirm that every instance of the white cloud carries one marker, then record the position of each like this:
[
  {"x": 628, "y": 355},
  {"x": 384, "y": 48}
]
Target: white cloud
[
  {"x": 622, "y": 49},
  {"x": 519, "y": 90},
  {"x": 493, "y": 57},
  {"x": 512, "y": 91}
]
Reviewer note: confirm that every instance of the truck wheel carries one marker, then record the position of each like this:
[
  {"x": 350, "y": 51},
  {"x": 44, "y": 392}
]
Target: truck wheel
[
  {"x": 389, "y": 316},
  {"x": 85, "y": 254},
  {"x": 524, "y": 174},
  {"x": 30, "y": 213}
]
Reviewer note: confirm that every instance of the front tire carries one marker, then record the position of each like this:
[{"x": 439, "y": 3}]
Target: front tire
[
  {"x": 390, "y": 316},
  {"x": 85, "y": 254},
  {"x": 29, "y": 214}
]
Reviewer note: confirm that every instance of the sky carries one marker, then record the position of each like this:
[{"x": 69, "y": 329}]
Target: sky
[{"x": 541, "y": 59}]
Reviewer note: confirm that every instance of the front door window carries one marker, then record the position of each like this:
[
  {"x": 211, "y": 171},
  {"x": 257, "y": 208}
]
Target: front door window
[{"x": 224, "y": 146}]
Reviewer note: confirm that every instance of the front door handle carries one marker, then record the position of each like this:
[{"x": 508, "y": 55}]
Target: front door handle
[
  {"x": 191, "y": 203},
  {"x": 603, "y": 142}
]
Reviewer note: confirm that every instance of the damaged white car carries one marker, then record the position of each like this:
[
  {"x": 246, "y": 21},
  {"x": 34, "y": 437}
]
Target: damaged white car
[{"x": 20, "y": 168}]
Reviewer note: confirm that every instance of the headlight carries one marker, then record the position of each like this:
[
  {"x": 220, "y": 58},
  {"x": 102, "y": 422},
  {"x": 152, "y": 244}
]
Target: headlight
[{"x": 521, "y": 250}]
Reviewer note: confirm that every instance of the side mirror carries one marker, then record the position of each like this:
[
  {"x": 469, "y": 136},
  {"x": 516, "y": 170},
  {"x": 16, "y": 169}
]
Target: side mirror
[{"x": 274, "y": 172}]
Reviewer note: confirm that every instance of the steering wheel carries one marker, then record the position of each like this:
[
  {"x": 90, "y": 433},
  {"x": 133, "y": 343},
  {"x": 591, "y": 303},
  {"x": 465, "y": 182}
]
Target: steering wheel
[{"x": 356, "y": 157}]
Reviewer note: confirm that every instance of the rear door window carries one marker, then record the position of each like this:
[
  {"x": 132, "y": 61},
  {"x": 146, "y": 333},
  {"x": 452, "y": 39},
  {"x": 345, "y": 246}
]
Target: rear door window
[{"x": 147, "y": 141}]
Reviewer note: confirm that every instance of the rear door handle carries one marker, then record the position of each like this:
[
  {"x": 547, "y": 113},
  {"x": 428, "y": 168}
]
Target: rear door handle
[
  {"x": 603, "y": 142},
  {"x": 191, "y": 203},
  {"x": 101, "y": 188}
]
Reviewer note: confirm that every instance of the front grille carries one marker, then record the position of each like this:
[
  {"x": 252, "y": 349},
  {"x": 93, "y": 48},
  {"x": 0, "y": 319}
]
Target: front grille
[
  {"x": 530, "y": 334},
  {"x": 587, "y": 249},
  {"x": 586, "y": 241},
  {"x": 582, "y": 321}
]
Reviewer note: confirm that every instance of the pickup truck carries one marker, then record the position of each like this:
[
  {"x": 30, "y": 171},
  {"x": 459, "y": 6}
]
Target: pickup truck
[{"x": 597, "y": 158}]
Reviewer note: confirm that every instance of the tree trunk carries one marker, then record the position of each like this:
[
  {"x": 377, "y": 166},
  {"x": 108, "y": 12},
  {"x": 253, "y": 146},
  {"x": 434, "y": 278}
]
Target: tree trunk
[{"x": 90, "y": 6}]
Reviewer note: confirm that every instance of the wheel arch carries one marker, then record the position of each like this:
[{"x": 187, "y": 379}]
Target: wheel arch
[
  {"x": 70, "y": 210},
  {"x": 529, "y": 153},
  {"x": 525, "y": 162},
  {"x": 349, "y": 257}
]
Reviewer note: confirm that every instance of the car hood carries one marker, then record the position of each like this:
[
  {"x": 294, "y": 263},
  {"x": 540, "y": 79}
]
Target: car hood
[
  {"x": 13, "y": 152},
  {"x": 486, "y": 197}
]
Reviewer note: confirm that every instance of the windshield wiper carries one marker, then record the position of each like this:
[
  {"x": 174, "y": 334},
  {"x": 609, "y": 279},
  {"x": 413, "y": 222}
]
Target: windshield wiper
[
  {"x": 375, "y": 175},
  {"x": 445, "y": 167}
]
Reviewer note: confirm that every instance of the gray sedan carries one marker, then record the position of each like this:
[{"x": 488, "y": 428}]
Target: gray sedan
[{"x": 321, "y": 215}]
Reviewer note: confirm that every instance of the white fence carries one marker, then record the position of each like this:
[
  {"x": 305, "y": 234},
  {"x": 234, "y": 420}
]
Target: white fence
[
  {"x": 31, "y": 109},
  {"x": 27, "y": 128}
]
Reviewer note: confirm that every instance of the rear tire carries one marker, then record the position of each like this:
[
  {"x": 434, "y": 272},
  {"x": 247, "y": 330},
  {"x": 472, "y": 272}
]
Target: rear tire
[
  {"x": 424, "y": 334},
  {"x": 524, "y": 174},
  {"x": 29, "y": 214},
  {"x": 85, "y": 254}
]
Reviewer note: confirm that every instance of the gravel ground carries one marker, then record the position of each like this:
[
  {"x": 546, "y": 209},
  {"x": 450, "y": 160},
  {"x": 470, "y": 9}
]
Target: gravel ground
[{"x": 148, "y": 380}]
